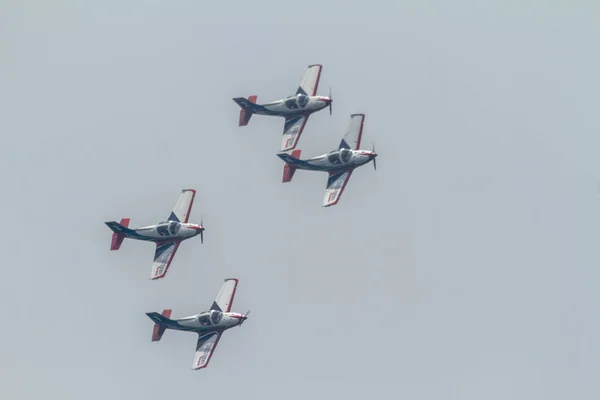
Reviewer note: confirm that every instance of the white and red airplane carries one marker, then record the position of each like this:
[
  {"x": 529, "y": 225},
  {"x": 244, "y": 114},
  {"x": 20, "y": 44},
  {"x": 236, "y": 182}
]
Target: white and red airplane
[
  {"x": 209, "y": 325},
  {"x": 339, "y": 163},
  {"x": 167, "y": 235},
  {"x": 295, "y": 109}
]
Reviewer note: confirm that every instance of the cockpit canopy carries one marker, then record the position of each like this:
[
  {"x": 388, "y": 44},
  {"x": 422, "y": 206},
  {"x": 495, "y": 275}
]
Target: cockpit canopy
[
  {"x": 212, "y": 317},
  {"x": 339, "y": 156},
  {"x": 298, "y": 101},
  {"x": 168, "y": 228},
  {"x": 302, "y": 100}
]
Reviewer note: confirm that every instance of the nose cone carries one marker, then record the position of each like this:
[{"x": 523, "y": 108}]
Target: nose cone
[{"x": 240, "y": 318}]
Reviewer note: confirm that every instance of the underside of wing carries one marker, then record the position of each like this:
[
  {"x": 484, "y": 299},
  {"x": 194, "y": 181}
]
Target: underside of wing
[
  {"x": 225, "y": 297},
  {"x": 335, "y": 187},
  {"x": 292, "y": 130},
  {"x": 310, "y": 81},
  {"x": 207, "y": 342},
  {"x": 353, "y": 135},
  {"x": 162, "y": 258},
  {"x": 182, "y": 209}
]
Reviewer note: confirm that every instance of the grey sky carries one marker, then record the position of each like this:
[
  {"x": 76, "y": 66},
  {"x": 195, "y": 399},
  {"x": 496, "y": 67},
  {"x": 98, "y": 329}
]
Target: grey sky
[{"x": 465, "y": 267}]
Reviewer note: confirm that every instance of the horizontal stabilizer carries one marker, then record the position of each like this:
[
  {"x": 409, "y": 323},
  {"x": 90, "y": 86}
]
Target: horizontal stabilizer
[
  {"x": 247, "y": 106},
  {"x": 288, "y": 169},
  {"x": 161, "y": 323},
  {"x": 119, "y": 232}
]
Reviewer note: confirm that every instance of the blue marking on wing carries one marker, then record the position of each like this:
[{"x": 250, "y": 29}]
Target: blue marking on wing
[
  {"x": 290, "y": 122},
  {"x": 344, "y": 145},
  {"x": 334, "y": 177},
  {"x": 173, "y": 217},
  {"x": 301, "y": 91},
  {"x": 162, "y": 248}
]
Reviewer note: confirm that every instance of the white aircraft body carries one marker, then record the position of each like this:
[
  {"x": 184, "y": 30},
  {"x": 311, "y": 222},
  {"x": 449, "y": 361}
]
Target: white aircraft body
[
  {"x": 339, "y": 163},
  {"x": 167, "y": 235},
  {"x": 209, "y": 325},
  {"x": 295, "y": 109}
]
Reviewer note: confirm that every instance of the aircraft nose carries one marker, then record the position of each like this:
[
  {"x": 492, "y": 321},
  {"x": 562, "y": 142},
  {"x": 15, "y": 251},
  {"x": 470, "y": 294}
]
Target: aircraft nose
[{"x": 241, "y": 318}]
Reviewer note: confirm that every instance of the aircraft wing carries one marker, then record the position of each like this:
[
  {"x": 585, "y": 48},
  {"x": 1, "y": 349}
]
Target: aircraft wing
[
  {"x": 163, "y": 256},
  {"x": 335, "y": 187},
  {"x": 225, "y": 297},
  {"x": 292, "y": 130},
  {"x": 182, "y": 209},
  {"x": 205, "y": 347},
  {"x": 310, "y": 81},
  {"x": 353, "y": 135}
]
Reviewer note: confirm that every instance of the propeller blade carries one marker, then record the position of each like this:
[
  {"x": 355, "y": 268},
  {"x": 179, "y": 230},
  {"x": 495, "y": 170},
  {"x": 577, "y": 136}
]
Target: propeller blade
[
  {"x": 331, "y": 100},
  {"x": 202, "y": 231}
]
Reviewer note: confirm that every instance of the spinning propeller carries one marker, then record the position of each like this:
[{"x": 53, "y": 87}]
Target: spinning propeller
[
  {"x": 202, "y": 231},
  {"x": 374, "y": 158},
  {"x": 330, "y": 101},
  {"x": 245, "y": 317}
]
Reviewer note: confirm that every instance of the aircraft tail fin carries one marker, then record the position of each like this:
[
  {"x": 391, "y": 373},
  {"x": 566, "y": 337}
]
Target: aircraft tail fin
[
  {"x": 161, "y": 322},
  {"x": 289, "y": 169},
  {"x": 247, "y": 110},
  {"x": 120, "y": 231}
]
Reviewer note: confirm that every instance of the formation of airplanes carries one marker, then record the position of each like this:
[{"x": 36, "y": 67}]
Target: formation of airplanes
[{"x": 339, "y": 164}]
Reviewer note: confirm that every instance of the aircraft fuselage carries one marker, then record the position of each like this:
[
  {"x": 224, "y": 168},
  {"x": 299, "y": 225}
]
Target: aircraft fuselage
[
  {"x": 206, "y": 321},
  {"x": 165, "y": 231},
  {"x": 335, "y": 160},
  {"x": 293, "y": 105}
]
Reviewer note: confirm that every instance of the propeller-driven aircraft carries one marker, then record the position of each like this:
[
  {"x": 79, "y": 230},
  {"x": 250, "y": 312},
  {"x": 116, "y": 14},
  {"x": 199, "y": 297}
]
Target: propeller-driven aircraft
[
  {"x": 209, "y": 325},
  {"x": 295, "y": 109},
  {"x": 167, "y": 235},
  {"x": 339, "y": 163}
]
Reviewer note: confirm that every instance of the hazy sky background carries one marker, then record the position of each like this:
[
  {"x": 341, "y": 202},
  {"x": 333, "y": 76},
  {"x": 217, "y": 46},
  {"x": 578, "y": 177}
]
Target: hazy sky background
[{"x": 465, "y": 267}]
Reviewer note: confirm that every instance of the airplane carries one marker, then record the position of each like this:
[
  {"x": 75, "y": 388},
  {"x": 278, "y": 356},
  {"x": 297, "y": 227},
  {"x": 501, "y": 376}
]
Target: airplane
[
  {"x": 209, "y": 325},
  {"x": 295, "y": 109},
  {"x": 167, "y": 235},
  {"x": 339, "y": 163}
]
